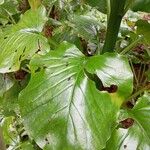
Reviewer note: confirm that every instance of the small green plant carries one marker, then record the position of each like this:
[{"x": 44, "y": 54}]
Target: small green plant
[{"x": 74, "y": 75}]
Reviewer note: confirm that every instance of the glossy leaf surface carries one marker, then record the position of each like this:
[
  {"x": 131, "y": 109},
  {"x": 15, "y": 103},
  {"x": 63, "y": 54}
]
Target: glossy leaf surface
[{"x": 64, "y": 105}]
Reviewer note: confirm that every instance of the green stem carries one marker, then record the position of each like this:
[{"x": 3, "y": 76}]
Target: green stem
[
  {"x": 108, "y": 9},
  {"x": 116, "y": 15},
  {"x": 133, "y": 70}
]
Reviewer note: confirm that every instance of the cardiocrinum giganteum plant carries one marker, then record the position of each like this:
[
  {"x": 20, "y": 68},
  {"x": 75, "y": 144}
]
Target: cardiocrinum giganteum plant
[{"x": 74, "y": 75}]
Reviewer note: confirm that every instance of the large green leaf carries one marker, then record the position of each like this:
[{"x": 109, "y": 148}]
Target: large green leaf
[
  {"x": 62, "y": 105},
  {"x": 23, "y": 41}
]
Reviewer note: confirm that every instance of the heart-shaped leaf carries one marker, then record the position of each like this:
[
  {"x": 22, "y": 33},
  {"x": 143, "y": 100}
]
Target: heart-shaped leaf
[{"x": 62, "y": 105}]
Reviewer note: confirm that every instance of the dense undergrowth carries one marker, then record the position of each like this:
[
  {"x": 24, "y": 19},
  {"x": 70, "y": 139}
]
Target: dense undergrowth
[{"x": 74, "y": 74}]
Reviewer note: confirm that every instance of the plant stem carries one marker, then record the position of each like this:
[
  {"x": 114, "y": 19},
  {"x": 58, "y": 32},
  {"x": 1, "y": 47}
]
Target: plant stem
[
  {"x": 108, "y": 9},
  {"x": 133, "y": 70},
  {"x": 116, "y": 14}
]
